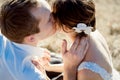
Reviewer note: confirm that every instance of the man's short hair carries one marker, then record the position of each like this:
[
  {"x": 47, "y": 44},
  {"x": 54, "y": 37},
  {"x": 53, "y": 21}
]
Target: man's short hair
[{"x": 16, "y": 20}]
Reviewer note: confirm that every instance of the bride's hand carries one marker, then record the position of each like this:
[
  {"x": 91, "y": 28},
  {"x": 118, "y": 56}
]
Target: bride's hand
[
  {"x": 42, "y": 63},
  {"x": 73, "y": 56}
]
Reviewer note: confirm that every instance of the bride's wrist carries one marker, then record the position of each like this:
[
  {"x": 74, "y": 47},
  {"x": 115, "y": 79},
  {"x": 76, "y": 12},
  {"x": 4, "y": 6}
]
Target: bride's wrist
[
  {"x": 70, "y": 68},
  {"x": 70, "y": 73}
]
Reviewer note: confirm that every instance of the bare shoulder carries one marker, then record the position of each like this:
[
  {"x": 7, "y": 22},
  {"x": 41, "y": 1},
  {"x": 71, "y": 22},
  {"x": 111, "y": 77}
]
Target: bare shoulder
[{"x": 88, "y": 75}]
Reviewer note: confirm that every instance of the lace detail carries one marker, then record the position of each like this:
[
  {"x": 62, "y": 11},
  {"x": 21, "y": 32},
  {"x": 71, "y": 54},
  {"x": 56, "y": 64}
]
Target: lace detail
[{"x": 95, "y": 68}]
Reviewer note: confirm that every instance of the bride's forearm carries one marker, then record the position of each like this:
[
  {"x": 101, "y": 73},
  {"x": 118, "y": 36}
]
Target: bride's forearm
[{"x": 56, "y": 68}]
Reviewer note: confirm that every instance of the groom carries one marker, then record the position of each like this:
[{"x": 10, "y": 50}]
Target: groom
[{"x": 23, "y": 24}]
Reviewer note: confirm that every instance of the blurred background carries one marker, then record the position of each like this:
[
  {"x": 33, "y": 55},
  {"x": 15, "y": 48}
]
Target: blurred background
[{"x": 108, "y": 23}]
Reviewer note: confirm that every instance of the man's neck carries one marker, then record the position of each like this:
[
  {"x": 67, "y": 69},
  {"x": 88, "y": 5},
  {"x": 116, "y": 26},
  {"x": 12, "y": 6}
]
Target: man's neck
[{"x": 30, "y": 43}]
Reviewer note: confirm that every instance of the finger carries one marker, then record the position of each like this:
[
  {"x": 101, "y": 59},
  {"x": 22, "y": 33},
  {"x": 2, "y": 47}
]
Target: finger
[
  {"x": 47, "y": 52},
  {"x": 82, "y": 43},
  {"x": 45, "y": 59},
  {"x": 36, "y": 63},
  {"x": 86, "y": 48},
  {"x": 47, "y": 56},
  {"x": 75, "y": 44},
  {"x": 82, "y": 47},
  {"x": 64, "y": 47}
]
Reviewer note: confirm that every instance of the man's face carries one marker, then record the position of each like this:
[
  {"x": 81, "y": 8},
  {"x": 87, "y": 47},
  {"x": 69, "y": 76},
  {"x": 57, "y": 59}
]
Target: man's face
[{"x": 46, "y": 23}]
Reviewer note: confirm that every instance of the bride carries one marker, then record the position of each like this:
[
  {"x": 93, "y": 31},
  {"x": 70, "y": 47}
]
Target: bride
[{"x": 77, "y": 18}]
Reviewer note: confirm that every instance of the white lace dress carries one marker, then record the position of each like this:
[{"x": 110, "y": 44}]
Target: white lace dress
[{"x": 99, "y": 70}]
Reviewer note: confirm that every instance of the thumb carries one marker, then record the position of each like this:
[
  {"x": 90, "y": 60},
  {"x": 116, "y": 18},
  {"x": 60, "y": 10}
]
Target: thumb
[
  {"x": 35, "y": 62},
  {"x": 64, "y": 47}
]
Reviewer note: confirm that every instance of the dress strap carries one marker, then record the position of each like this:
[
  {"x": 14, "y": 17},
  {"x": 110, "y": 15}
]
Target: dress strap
[{"x": 95, "y": 68}]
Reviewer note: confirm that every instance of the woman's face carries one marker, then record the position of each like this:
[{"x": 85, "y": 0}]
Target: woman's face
[{"x": 46, "y": 23}]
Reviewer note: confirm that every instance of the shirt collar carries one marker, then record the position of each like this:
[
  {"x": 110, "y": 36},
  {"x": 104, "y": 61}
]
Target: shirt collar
[{"x": 31, "y": 50}]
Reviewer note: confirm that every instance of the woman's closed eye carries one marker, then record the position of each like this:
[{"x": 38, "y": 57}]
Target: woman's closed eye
[{"x": 50, "y": 18}]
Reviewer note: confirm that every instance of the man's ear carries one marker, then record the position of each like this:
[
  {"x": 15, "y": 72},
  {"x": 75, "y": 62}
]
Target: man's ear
[{"x": 30, "y": 38}]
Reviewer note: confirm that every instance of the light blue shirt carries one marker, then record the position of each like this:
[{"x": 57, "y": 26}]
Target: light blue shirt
[{"x": 15, "y": 61}]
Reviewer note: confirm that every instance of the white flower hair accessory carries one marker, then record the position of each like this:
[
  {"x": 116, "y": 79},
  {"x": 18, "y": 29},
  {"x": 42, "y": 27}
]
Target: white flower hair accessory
[{"x": 81, "y": 27}]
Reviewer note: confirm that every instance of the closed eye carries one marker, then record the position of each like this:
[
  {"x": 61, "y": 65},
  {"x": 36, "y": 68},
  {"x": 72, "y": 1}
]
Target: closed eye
[{"x": 50, "y": 18}]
